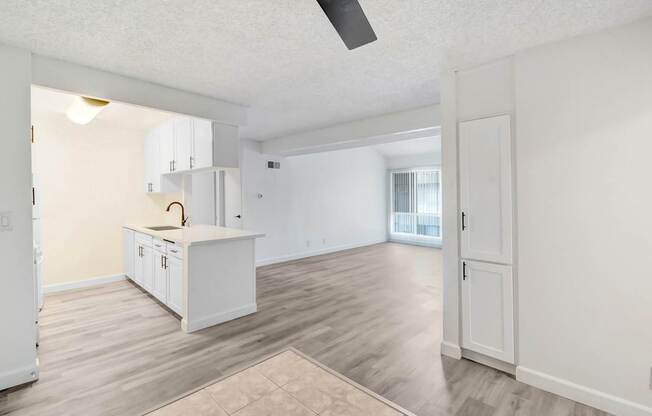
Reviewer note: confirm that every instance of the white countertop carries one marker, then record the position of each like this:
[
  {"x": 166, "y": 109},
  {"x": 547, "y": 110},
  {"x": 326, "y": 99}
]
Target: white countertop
[{"x": 197, "y": 234}]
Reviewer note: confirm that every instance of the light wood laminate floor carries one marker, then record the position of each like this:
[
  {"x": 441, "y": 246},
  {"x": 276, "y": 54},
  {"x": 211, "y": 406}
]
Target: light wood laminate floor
[{"x": 372, "y": 314}]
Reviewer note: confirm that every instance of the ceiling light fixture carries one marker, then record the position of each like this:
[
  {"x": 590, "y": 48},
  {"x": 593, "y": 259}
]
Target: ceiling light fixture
[{"x": 84, "y": 109}]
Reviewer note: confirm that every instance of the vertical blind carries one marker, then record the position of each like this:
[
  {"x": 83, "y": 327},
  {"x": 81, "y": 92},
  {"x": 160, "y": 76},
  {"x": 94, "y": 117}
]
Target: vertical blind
[{"x": 415, "y": 202}]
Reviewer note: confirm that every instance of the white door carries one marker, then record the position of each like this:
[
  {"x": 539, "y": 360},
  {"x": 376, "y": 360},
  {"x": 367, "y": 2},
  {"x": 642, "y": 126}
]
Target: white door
[
  {"x": 128, "y": 252},
  {"x": 152, "y": 160},
  {"x": 486, "y": 189},
  {"x": 175, "y": 284},
  {"x": 232, "y": 199},
  {"x": 202, "y": 148},
  {"x": 166, "y": 147},
  {"x": 148, "y": 268},
  {"x": 182, "y": 144},
  {"x": 160, "y": 284},
  {"x": 487, "y": 308}
]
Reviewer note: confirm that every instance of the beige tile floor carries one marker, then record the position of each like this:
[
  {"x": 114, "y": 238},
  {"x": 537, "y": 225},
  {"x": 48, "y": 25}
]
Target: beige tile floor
[{"x": 286, "y": 384}]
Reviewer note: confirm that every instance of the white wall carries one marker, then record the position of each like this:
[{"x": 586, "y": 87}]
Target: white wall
[
  {"x": 17, "y": 301},
  {"x": 584, "y": 149},
  {"x": 91, "y": 184},
  {"x": 315, "y": 203},
  {"x": 583, "y": 116}
]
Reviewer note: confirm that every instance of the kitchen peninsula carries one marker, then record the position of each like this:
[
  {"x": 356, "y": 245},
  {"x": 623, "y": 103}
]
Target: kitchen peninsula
[{"x": 206, "y": 274}]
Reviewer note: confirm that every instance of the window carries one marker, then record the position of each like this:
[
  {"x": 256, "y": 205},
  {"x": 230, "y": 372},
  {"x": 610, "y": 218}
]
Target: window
[{"x": 416, "y": 203}]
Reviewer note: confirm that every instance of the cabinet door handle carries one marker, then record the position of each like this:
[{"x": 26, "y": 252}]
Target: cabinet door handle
[
  {"x": 192, "y": 162},
  {"x": 464, "y": 227},
  {"x": 165, "y": 264},
  {"x": 174, "y": 165},
  {"x": 464, "y": 270}
]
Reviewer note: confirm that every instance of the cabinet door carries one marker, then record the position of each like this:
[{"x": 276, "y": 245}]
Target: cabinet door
[
  {"x": 165, "y": 135},
  {"x": 202, "y": 143},
  {"x": 486, "y": 189},
  {"x": 128, "y": 252},
  {"x": 148, "y": 268},
  {"x": 139, "y": 266},
  {"x": 152, "y": 161},
  {"x": 159, "y": 287},
  {"x": 175, "y": 285},
  {"x": 182, "y": 143},
  {"x": 487, "y": 307}
]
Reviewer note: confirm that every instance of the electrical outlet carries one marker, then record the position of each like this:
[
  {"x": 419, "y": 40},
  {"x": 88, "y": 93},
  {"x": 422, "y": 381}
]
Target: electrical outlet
[{"x": 5, "y": 221}]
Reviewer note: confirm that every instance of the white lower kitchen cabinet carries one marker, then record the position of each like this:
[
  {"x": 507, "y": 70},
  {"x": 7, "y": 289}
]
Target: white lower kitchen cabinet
[
  {"x": 160, "y": 287},
  {"x": 487, "y": 309},
  {"x": 205, "y": 274}
]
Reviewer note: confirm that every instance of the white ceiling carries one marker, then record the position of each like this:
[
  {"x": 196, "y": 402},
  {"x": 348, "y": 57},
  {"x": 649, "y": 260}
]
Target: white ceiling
[
  {"x": 414, "y": 147},
  {"x": 46, "y": 102},
  {"x": 284, "y": 59}
]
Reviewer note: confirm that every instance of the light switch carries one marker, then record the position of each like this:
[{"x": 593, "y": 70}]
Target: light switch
[{"x": 5, "y": 221}]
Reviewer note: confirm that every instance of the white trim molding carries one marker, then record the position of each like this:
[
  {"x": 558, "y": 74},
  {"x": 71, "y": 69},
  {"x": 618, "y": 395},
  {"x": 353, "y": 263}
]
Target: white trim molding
[
  {"x": 81, "y": 284},
  {"x": 451, "y": 350},
  {"x": 19, "y": 376},
  {"x": 600, "y": 400},
  {"x": 312, "y": 253},
  {"x": 66, "y": 76},
  {"x": 218, "y": 318}
]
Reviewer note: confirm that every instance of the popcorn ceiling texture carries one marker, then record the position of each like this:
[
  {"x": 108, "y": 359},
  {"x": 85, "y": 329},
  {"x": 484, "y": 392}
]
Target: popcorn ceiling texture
[{"x": 284, "y": 59}]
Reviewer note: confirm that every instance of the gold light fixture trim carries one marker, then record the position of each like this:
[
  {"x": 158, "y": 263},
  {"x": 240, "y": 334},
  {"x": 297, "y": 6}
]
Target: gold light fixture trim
[{"x": 84, "y": 109}]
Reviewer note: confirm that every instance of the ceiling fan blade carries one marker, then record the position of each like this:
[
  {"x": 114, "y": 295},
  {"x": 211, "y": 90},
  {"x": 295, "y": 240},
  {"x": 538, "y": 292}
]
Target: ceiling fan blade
[{"x": 350, "y": 21}]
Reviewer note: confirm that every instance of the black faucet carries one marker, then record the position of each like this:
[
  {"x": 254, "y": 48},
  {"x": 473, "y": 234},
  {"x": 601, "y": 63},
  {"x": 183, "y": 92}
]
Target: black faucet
[{"x": 184, "y": 219}]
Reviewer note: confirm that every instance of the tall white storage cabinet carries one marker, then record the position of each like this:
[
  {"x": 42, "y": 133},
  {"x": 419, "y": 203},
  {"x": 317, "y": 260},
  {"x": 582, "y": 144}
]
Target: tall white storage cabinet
[
  {"x": 486, "y": 189},
  {"x": 485, "y": 164}
]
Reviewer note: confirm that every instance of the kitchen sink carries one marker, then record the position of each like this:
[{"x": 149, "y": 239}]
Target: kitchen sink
[{"x": 163, "y": 228}]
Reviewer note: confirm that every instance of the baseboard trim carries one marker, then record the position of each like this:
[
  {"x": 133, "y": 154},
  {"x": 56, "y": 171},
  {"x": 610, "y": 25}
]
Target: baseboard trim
[
  {"x": 434, "y": 244},
  {"x": 305, "y": 254},
  {"x": 205, "y": 322},
  {"x": 81, "y": 284},
  {"x": 450, "y": 350},
  {"x": 489, "y": 361},
  {"x": 594, "y": 398},
  {"x": 19, "y": 376}
]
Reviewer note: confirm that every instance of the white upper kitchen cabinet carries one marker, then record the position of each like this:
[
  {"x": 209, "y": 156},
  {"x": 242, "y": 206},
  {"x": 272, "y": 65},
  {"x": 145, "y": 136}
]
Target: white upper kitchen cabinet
[
  {"x": 488, "y": 309},
  {"x": 166, "y": 148},
  {"x": 182, "y": 128},
  {"x": 226, "y": 146},
  {"x": 202, "y": 144},
  {"x": 486, "y": 189},
  {"x": 152, "y": 169},
  {"x": 184, "y": 145}
]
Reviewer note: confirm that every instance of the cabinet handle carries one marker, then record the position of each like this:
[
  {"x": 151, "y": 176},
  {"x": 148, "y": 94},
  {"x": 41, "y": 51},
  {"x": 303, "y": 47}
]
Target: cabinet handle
[
  {"x": 161, "y": 262},
  {"x": 192, "y": 162},
  {"x": 464, "y": 227},
  {"x": 174, "y": 165},
  {"x": 165, "y": 263},
  {"x": 463, "y": 270}
]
